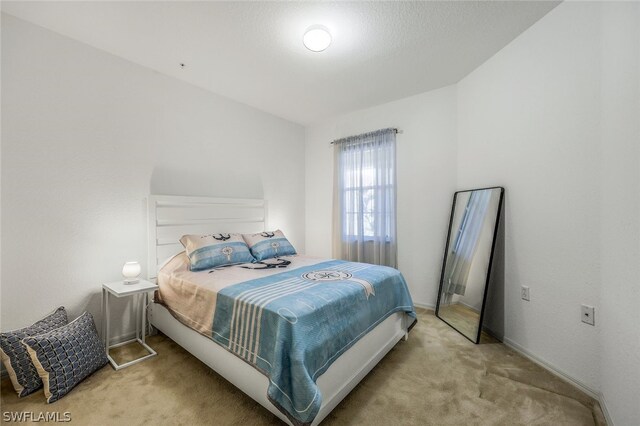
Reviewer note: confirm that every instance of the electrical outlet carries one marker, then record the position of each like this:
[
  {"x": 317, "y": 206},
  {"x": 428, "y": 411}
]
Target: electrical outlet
[
  {"x": 524, "y": 293},
  {"x": 588, "y": 315}
]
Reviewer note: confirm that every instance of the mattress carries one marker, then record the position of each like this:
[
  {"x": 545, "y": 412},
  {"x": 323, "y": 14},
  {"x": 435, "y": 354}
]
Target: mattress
[{"x": 289, "y": 323}]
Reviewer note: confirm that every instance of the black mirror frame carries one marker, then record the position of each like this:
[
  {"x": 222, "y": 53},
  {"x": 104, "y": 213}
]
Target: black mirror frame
[{"x": 493, "y": 247}]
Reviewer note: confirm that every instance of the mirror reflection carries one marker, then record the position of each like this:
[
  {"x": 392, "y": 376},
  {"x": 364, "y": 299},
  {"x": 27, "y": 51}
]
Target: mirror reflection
[{"x": 467, "y": 262}]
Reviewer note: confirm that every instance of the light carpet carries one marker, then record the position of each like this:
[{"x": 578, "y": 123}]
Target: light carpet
[{"x": 437, "y": 377}]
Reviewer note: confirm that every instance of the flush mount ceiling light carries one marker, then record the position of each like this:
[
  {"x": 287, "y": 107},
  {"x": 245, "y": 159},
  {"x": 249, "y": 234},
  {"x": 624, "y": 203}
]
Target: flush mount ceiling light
[{"x": 317, "y": 38}]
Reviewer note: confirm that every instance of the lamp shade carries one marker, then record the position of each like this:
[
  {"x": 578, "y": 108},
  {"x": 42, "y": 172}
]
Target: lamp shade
[{"x": 131, "y": 272}]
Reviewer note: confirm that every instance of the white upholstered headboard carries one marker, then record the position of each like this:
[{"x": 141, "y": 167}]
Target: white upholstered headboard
[{"x": 170, "y": 217}]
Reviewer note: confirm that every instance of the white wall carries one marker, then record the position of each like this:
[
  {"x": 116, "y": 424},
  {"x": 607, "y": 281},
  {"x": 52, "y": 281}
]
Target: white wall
[
  {"x": 619, "y": 316},
  {"x": 86, "y": 136},
  {"x": 426, "y": 155},
  {"x": 553, "y": 117},
  {"x": 528, "y": 119}
]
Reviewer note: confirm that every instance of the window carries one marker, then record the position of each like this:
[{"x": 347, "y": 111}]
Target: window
[
  {"x": 361, "y": 193},
  {"x": 365, "y": 197}
]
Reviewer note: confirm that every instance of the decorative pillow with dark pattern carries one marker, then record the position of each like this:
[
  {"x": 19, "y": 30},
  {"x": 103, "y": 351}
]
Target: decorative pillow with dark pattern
[
  {"x": 15, "y": 358},
  {"x": 66, "y": 356},
  {"x": 267, "y": 245},
  {"x": 214, "y": 250}
]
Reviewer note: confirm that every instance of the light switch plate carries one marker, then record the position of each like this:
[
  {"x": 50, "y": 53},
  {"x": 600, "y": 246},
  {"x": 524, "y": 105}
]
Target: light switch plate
[{"x": 588, "y": 315}]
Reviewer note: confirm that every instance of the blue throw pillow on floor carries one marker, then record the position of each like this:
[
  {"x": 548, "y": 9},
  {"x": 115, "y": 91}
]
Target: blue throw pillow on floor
[
  {"x": 66, "y": 356},
  {"x": 23, "y": 374}
]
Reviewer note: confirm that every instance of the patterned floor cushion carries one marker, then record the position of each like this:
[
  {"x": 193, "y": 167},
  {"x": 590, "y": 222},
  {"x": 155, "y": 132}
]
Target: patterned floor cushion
[
  {"x": 23, "y": 374},
  {"x": 66, "y": 356}
]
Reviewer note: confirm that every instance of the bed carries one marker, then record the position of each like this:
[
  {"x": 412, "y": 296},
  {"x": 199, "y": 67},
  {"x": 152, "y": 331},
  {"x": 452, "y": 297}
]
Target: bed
[{"x": 299, "y": 379}]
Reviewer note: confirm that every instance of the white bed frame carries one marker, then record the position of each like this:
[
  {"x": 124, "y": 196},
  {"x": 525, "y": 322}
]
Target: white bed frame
[{"x": 170, "y": 217}]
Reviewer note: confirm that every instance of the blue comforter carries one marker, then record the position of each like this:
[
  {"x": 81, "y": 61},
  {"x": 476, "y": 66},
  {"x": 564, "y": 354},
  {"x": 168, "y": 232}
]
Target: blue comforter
[{"x": 293, "y": 325}]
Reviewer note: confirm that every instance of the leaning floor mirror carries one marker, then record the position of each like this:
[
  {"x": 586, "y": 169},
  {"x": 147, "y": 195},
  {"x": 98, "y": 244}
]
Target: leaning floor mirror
[{"x": 468, "y": 256}]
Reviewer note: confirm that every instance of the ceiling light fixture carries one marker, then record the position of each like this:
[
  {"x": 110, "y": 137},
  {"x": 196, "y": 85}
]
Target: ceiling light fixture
[{"x": 316, "y": 38}]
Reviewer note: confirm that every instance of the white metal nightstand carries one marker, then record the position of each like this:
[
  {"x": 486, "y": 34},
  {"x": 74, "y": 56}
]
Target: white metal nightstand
[{"x": 139, "y": 290}]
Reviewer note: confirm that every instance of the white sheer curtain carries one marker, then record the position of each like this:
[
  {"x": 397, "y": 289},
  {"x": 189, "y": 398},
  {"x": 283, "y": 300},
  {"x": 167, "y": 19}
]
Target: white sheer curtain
[
  {"x": 364, "y": 219},
  {"x": 465, "y": 243}
]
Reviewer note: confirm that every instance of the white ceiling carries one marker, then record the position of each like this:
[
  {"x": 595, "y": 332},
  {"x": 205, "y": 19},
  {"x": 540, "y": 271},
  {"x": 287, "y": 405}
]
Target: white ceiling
[{"x": 253, "y": 52}]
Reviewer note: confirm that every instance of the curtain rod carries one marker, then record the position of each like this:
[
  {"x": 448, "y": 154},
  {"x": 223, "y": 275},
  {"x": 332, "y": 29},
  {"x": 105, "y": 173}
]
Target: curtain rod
[{"x": 336, "y": 140}]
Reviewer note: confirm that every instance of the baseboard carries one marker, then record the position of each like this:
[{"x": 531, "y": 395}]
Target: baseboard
[
  {"x": 552, "y": 369},
  {"x": 605, "y": 411},
  {"x": 425, "y": 305},
  {"x": 598, "y": 396},
  {"x": 547, "y": 366},
  {"x": 492, "y": 333},
  {"x": 468, "y": 306},
  {"x": 114, "y": 340}
]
